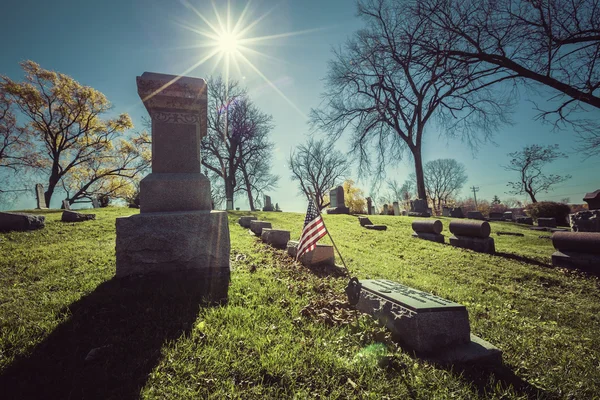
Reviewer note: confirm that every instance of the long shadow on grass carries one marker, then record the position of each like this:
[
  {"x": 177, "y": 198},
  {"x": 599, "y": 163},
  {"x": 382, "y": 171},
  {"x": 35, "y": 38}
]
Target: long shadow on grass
[
  {"x": 523, "y": 259},
  {"x": 127, "y": 321}
]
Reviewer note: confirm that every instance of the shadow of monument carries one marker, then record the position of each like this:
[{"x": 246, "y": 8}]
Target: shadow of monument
[
  {"x": 523, "y": 259},
  {"x": 127, "y": 321}
]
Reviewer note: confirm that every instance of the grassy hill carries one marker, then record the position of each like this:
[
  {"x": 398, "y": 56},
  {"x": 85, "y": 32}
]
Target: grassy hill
[{"x": 286, "y": 331}]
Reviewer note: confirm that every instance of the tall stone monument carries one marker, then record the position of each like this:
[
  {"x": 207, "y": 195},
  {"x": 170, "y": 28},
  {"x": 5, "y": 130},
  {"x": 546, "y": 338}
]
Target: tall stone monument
[
  {"x": 369, "y": 206},
  {"x": 176, "y": 232},
  {"x": 587, "y": 220},
  {"x": 336, "y": 200},
  {"x": 39, "y": 195}
]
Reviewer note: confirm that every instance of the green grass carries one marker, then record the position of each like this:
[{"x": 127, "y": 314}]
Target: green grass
[{"x": 285, "y": 332}]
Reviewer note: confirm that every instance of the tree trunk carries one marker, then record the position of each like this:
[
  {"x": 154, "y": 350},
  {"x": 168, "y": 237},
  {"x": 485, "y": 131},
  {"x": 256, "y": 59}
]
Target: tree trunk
[
  {"x": 248, "y": 187},
  {"x": 421, "y": 192},
  {"x": 52, "y": 182}
]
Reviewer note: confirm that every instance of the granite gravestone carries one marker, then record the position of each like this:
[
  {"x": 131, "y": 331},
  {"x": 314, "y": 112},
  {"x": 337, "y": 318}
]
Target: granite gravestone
[
  {"x": 418, "y": 208},
  {"x": 457, "y": 212},
  {"x": 322, "y": 254},
  {"x": 424, "y": 322},
  {"x": 593, "y": 200},
  {"x": 39, "y": 195},
  {"x": 95, "y": 202},
  {"x": 475, "y": 215},
  {"x": 385, "y": 209},
  {"x": 11, "y": 221},
  {"x": 473, "y": 235},
  {"x": 496, "y": 216},
  {"x": 587, "y": 220},
  {"x": 369, "y": 206},
  {"x": 445, "y": 211},
  {"x": 336, "y": 201},
  {"x": 396, "y": 208},
  {"x": 176, "y": 232},
  {"x": 268, "y": 205},
  {"x": 66, "y": 205},
  {"x": 428, "y": 230},
  {"x": 372, "y": 210},
  {"x": 577, "y": 250}
]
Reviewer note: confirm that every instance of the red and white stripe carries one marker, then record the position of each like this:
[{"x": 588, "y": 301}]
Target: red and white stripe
[{"x": 312, "y": 232}]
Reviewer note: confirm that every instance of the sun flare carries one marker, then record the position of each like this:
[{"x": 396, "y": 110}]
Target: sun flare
[{"x": 228, "y": 42}]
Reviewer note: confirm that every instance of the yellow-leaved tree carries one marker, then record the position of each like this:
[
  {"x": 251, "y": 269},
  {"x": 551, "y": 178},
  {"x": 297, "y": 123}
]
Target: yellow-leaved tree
[
  {"x": 354, "y": 198},
  {"x": 71, "y": 141}
]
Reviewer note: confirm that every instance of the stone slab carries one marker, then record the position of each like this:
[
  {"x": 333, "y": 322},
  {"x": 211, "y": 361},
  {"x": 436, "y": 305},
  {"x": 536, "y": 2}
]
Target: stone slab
[
  {"x": 580, "y": 242},
  {"x": 171, "y": 242},
  {"x": 321, "y": 255},
  {"x": 547, "y": 222},
  {"x": 338, "y": 210},
  {"x": 257, "y": 226},
  {"x": 481, "y": 245},
  {"x": 376, "y": 227},
  {"x": 427, "y": 226},
  {"x": 175, "y": 192},
  {"x": 277, "y": 238},
  {"x": 479, "y": 229},
  {"x": 525, "y": 220},
  {"x": 585, "y": 221},
  {"x": 433, "y": 237},
  {"x": 396, "y": 208},
  {"x": 457, "y": 213},
  {"x": 421, "y": 321},
  {"x": 593, "y": 200},
  {"x": 11, "y": 221},
  {"x": 475, "y": 215},
  {"x": 245, "y": 220},
  {"x": 72, "y": 216},
  {"x": 569, "y": 259},
  {"x": 40, "y": 198},
  {"x": 419, "y": 214},
  {"x": 364, "y": 221}
]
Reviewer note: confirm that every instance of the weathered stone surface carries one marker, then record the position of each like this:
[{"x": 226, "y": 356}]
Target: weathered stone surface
[
  {"x": 508, "y": 215},
  {"x": 571, "y": 259},
  {"x": 370, "y": 206},
  {"x": 421, "y": 321},
  {"x": 176, "y": 241},
  {"x": 39, "y": 196},
  {"x": 580, "y": 242},
  {"x": 275, "y": 237},
  {"x": 268, "y": 205},
  {"x": 480, "y": 229},
  {"x": 585, "y": 221},
  {"x": 593, "y": 200},
  {"x": 72, "y": 216},
  {"x": 376, "y": 227},
  {"x": 373, "y": 210},
  {"x": 433, "y": 237},
  {"x": 475, "y": 215},
  {"x": 11, "y": 221},
  {"x": 396, "y": 208},
  {"x": 336, "y": 200},
  {"x": 257, "y": 226},
  {"x": 509, "y": 234},
  {"x": 66, "y": 205},
  {"x": 477, "y": 351},
  {"x": 481, "y": 245},
  {"x": 496, "y": 216},
  {"x": 525, "y": 220},
  {"x": 321, "y": 255},
  {"x": 457, "y": 213},
  {"x": 446, "y": 211},
  {"x": 245, "y": 220},
  {"x": 364, "y": 221},
  {"x": 427, "y": 226},
  {"x": 547, "y": 222},
  {"x": 385, "y": 209},
  {"x": 175, "y": 192}
]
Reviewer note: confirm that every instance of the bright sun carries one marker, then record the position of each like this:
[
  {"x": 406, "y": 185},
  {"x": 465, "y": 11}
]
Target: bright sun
[{"x": 228, "y": 42}]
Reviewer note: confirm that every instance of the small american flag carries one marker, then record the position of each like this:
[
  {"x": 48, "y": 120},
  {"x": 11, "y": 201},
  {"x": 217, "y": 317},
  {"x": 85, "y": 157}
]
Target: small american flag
[{"x": 314, "y": 229}]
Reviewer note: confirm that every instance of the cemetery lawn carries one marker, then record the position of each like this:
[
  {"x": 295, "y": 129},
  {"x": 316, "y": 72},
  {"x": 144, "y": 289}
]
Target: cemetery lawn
[{"x": 285, "y": 332}]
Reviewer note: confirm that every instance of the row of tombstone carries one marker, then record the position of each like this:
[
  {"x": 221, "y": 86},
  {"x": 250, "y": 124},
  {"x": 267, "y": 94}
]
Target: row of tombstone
[
  {"x": 473, "y": 235},
  {"x": 269, "y": 205},
  {"x": 322, "y": 255}
]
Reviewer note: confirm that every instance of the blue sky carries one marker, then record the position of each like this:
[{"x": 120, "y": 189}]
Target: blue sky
[{"x": 106, "y": 44}]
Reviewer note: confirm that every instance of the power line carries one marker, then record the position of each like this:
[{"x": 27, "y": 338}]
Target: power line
[{"x": 475, "y": 189}]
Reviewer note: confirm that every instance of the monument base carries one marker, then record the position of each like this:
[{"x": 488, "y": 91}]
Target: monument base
[
  {"x": 481, "y": 245},
  {"x": 434, "y": 237},
  {"x": 338, "y": 210},
  {"x": 376, "y": 227},
  {"x": 321, "y": 255},
  {"x": 177, "y": 242},
  {"x": 419, "y": 214},
  {"x": 576, "y": 260}
]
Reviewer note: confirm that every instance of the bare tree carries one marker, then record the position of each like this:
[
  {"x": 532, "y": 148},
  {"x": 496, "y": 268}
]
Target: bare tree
[
  {"x": 257, "y": 177},
  {"x": 385, "y": 89},
  {"x": 237, "y": 131},
  {"x": 404, "y": 192},
  {"x": 528, "y": 163},
  {"x": 317, "y": 167},
  {"x": 444, "y": 178},
  {"x": 555, "y": 43}
]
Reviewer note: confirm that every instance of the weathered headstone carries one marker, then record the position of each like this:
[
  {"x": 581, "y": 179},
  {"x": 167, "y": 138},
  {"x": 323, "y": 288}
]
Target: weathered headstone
[
  {"x": 508, "y": 216},
  {"x": 39, "y": 195},
  {"x": 475, "y": 215},
  {"x": 585, "y": 221},
  {"x": 95, "y": 202},
  {"x": 321, "y": 255},
  {"x": 377, "y": 227},
  {"x": 593, "y": 200},
  {"x": 576, "y": 250},
  {"x": 11, "y": 221},
  {"x": 385, "y": 209},
  {"x": 418, "y": 208},
  {"x": 496, "y": 216},
  {"x": 257, "y": 226},
  {"x": 525, "y": 220},
  {"x": 445, "y": 211},
  {"x": 277, "y": 238},
  {"x": 66, "y": 205},
  {"x": 428, "y": 230},
  {"x": 396, "y": 208},
  {"x": 473, "y": 235},
  {"x": 72, "y": 216},
  {"x": 372, "y": 210},
  {"x": 268, "y": 205},
  {"x": 457, "y": 213},
  {"x": 546, "y": 222},
  {"x": 277, "y": 207},
  {"x": 245, "y": 220},
  {"x": 176, "y": 232},
  {"x": 369, "y": 206},
  {"x": 424, "y": 322},
  {"x": 364, "y": 221},
  {"x": 336, "y": 200}
]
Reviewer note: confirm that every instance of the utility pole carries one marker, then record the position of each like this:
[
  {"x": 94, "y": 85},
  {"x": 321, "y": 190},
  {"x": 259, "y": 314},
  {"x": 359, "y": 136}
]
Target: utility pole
[{"x": 475, "y": 189}]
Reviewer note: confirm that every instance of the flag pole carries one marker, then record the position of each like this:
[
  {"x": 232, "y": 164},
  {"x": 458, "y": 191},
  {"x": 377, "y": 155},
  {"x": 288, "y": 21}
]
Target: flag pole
[{"x": 313, "y": 198}]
